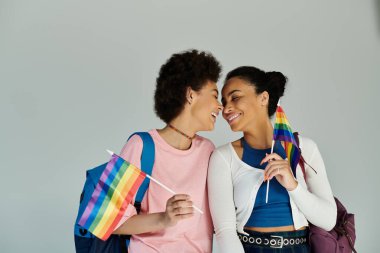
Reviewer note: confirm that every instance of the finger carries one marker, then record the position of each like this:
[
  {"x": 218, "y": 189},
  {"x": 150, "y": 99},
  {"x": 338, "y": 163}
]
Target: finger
[
  {"x": 275, "y": 164},
  {"x": 184, "y": 216},
  {"x": 174, "y": 199},
  {"x": 181, "y": 203},
  {"x": 269, "y": 157},
  {"x": 183, "y": 210},
  {"x": 272, "y": 165},
  {"x": 177, "y": 197},
  {"x": 274, "y": 171}
]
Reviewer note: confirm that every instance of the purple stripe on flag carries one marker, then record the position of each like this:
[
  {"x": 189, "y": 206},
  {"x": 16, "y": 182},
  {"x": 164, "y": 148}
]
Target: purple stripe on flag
[
  {"x": 284, "y": 138},
  {"x": 98, "y": 190}
]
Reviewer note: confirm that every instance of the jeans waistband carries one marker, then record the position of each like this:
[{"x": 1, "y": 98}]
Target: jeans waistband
[{"x": 275, "y": 239}]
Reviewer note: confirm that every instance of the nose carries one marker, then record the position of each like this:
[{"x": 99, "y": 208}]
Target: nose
[
  {"x": 227, "y": 109},
  {"x": 220, "y": 106}
]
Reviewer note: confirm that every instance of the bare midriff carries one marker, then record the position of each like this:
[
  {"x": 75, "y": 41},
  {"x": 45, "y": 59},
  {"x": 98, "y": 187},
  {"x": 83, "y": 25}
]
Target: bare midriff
[{"x": 273, "y": 229}]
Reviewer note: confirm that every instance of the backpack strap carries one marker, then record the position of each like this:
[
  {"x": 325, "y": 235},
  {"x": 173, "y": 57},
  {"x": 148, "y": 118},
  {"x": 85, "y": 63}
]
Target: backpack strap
[
  {"x": 93, "y": 175},
  {"x": 147, "y": 162}
]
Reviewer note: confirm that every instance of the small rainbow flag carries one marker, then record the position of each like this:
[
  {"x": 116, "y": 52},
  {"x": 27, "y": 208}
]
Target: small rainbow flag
[
  {"x": 116, "y": 188},
  {"x": 283, "y": 132}
]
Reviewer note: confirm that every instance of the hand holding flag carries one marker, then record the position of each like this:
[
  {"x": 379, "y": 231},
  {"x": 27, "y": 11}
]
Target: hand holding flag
[
  {"x": 282, "y": 132},
  {"x": 113, "y": 193},
  {"x": 162, "y": 185}
]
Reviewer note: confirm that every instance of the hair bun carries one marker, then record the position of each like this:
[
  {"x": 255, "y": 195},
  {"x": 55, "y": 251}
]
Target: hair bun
[{"x": 277, "y": 82}]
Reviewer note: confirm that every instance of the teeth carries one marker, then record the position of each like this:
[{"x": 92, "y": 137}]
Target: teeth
[
  {"x": 233, "y": 117},
  {"x": 214, "y": 114}
]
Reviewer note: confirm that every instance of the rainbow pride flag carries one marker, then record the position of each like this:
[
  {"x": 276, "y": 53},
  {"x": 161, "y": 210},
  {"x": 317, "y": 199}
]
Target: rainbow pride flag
[
  {"x": 116, "y": 188},
  {"x": 283, "y": 132}
]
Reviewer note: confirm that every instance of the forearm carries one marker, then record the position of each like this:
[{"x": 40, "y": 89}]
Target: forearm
[
  {"x": 316, "y": 201},
  {"x": 142, "y": 223},
  {"x": 320, "y": 211},
  {"x": 222, "y": 208},
  {"x": 228, "y": 240}
]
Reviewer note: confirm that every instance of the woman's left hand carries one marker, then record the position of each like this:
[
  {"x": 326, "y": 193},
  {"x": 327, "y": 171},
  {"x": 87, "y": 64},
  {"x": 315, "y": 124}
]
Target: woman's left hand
[{"x": 279, "y": 168}]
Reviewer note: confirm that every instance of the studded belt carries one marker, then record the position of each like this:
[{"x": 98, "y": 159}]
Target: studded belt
[{"x": 273, "y": 241}]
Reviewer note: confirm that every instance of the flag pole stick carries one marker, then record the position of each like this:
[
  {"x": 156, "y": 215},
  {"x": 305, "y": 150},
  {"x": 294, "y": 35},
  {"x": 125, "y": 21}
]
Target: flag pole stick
[
  {"x": 163, "y": 186},
  {"x": 267, "y": 193},
  {"x": 271, "y": 151},
  {"x": 171, "y": 191}
]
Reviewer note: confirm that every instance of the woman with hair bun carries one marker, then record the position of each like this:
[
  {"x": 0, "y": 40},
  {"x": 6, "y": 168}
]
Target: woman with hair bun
[{"x": 238, "y": 171}]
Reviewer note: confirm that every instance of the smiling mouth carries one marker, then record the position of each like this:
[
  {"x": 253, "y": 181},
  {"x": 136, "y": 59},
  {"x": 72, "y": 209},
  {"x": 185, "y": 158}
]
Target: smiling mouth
[
  {"x": 233, "y": 117},
  {"x": 214, "y": 115}
]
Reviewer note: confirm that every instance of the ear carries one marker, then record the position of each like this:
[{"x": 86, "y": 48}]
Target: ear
[
  {"x": 264, "y": 98},
  {"x": 190, "y": 95}
]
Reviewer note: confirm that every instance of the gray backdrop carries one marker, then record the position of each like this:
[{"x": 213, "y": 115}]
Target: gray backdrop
[{"x": 78, "y": 77}]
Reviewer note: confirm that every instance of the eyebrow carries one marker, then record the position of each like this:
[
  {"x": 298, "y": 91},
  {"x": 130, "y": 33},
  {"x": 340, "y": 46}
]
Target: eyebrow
[{"x": 231, "y": 92}]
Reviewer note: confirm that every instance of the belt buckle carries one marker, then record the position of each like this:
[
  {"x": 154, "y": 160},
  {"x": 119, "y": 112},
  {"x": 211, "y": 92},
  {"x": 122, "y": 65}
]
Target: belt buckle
[{"x": 275, "y": 242}]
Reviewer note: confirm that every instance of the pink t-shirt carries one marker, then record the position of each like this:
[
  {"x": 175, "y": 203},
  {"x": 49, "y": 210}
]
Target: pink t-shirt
[{"x": 183, "y": 171}]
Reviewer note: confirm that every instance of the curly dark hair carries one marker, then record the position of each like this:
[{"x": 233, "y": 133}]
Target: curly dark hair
[
  {"x": 190, "y": 68},
  {"x": 273, "y": 82}
]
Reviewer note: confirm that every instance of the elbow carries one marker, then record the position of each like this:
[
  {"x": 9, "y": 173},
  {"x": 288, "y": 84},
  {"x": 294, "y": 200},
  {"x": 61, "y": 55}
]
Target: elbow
[
  {"x": 225, "y": 230},
  {"x": 325, "y": 218},
  {"x": 329, "y": 221},
  {"x": 224, "y": 233},
  {"x": 227, "y": 241},
  {"x": 328, "y": 225}
]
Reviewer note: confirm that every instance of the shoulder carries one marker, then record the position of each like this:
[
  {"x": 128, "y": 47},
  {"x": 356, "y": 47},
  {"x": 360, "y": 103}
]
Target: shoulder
[
  {"x": 224, "y": 149},
  {"x": 311, "y": 153},
  {"x": 223, "y": 152},
  {"x": 307, "y": 145},
  {"x": 133, "y": 147},
  {"x": 224, "y": 158},
  {"x": 204, "y": 142},
  {"x": 229, "y": 148},
  {"x": 135, "y": 139},
  {"x": 220, "y": 160}
]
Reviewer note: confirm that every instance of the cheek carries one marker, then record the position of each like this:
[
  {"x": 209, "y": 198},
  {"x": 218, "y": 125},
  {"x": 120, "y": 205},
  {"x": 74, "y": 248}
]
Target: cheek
[
  {"x": 201, "y": 108},
  {"x": 208, "y": 104},
  {"x": 244, "y": 106}
]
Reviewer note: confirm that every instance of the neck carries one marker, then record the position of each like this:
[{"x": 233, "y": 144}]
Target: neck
[
  {"x": 260, "y": 135},
  {"x": 176, "y": 139}
]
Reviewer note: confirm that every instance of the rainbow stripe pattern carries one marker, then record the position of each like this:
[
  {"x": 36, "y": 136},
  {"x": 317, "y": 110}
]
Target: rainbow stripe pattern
[
  {"x": 283, "y": 132},
  {"x": 116, "y": 188}
]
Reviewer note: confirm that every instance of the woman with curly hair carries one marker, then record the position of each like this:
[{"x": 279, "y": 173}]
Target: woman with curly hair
[
  {"x": 244, "y": 221},
  {"x": 186, "y": 99}
]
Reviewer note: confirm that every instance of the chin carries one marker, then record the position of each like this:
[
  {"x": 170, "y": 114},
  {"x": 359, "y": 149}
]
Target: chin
[
  {"x": 235, "y": 128},
  {"x": 210, "y": 126}
]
